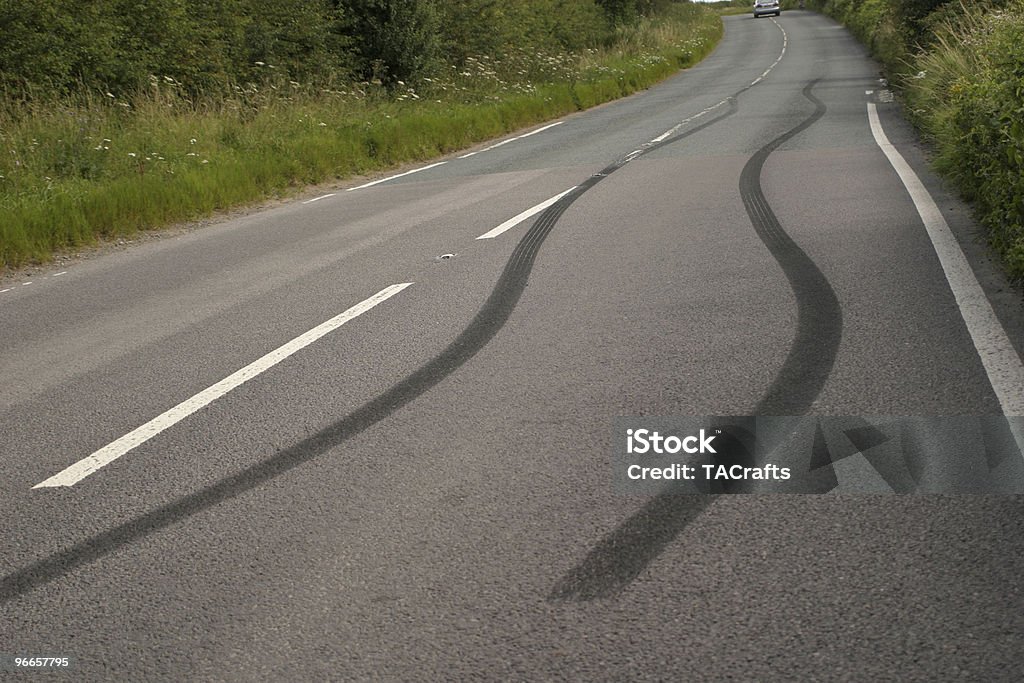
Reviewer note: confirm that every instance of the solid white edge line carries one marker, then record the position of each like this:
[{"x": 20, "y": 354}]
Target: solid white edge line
[
  {"x": 518, "y": 137},
  {"x": 524, "y": 135},
  {"x": 540, "y": 130},
  {"x": 384, "y": 180},
  {"x": 316, "y": 199},
  {"x": 114, "y": 450},
  {"x": 519, "y": 218},
  {"x": 998, "y": 356},
  {"x": 498, "y": 144}
]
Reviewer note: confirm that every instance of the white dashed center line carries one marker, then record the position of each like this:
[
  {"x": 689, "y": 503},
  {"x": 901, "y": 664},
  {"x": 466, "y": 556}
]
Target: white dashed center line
[{"x": 114, "y": 450}]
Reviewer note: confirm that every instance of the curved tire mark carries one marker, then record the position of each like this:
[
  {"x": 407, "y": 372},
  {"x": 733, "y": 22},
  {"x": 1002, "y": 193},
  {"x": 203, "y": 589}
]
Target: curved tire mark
[
  {"x": 819, "y": 317},
  {"x": 491, "y": 317},
  {"x": 624, "y": 553}
]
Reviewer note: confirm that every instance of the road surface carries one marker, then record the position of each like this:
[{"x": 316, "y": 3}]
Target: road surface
[{"x": 345, "y": 439}]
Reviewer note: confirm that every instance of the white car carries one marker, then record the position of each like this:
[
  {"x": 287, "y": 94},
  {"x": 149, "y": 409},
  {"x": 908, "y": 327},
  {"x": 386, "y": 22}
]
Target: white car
[{"x": 763, "y": 7}]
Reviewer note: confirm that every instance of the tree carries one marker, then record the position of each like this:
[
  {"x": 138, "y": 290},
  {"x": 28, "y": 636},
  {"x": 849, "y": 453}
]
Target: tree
[{"x": 396, "y": 40}]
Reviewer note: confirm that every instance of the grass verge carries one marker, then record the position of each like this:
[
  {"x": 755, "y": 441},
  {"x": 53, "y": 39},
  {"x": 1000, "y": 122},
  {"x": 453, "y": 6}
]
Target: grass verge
[
  {"x": 967, "y": 93},
  {"x": 961, "y": 76},
  {"x": 94, "y": 166}
]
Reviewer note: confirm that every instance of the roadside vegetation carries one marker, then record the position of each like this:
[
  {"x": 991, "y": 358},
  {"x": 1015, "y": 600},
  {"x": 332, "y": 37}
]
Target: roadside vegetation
[
  {"x": 959, "y": 67},
  {"x": 121, "y": 116},
  {"x": 731, "y": 7},
  {"x": 734, "y": 7}
]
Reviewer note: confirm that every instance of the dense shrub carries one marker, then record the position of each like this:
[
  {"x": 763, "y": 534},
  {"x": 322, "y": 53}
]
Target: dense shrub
[
  {"x": 51, "y": 46},
  {"x": 396, "y": 40},
  {"x": 968, "y": 94},
  {"x": 960, "y": 68},
  {"x": 54, "y": 46}
]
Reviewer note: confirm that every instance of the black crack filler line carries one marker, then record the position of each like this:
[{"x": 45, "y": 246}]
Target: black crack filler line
[
  {"x": 624, "y": 553},
  {"x": 487, "y": 322}
]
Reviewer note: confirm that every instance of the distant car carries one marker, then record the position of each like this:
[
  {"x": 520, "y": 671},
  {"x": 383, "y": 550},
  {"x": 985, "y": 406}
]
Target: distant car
[{"x": 762, "y": 7}]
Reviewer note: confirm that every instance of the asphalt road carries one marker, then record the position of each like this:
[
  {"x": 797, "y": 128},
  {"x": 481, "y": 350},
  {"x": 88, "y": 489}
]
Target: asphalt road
[{"x": 425, "y": 491}]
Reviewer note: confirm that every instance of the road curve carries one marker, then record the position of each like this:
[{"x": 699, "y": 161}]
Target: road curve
[{"x": 422, "y": 488}]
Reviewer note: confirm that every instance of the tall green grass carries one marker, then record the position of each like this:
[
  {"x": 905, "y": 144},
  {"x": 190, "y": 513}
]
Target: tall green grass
[
  {"x": 967, "y": 93},
  {"x": 960, "y": 70},
  {"x": 93, "y": 166}
]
